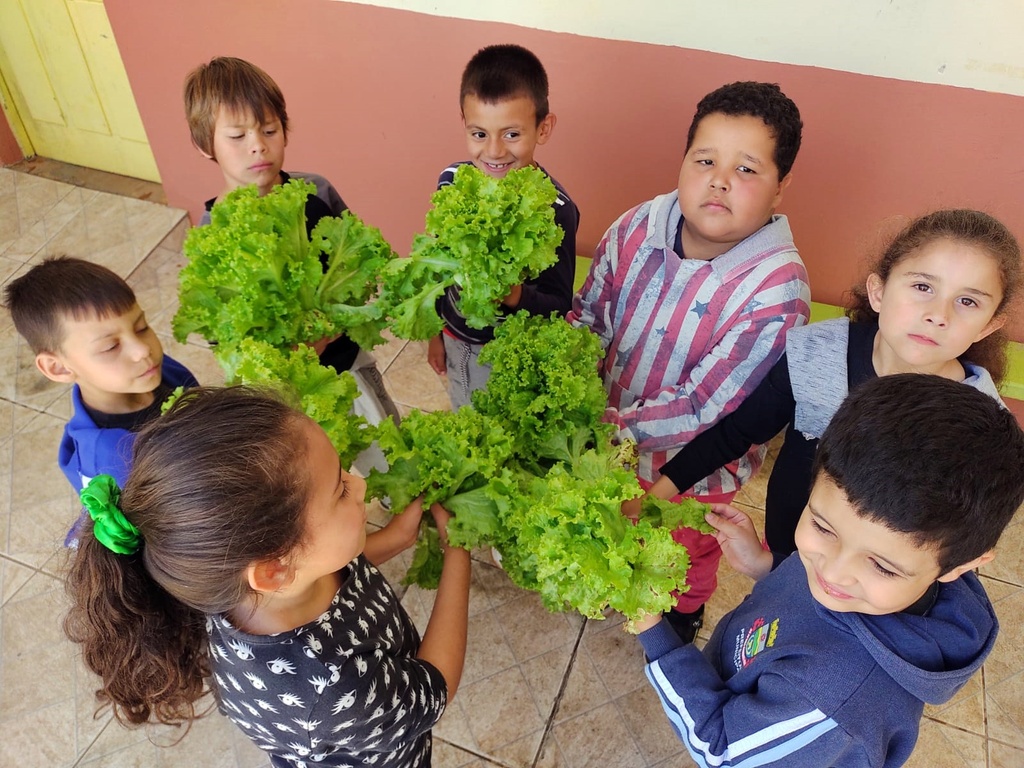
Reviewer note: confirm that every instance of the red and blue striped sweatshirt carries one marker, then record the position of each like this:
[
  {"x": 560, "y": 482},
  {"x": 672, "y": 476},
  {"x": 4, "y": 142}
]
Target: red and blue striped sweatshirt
[{"x": 687, "y": 340}]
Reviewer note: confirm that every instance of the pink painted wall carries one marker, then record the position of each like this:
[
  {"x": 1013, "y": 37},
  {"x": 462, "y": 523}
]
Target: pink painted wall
[
  {"x": 10, "y": 152},
  {"x": 372, "y": 94}
]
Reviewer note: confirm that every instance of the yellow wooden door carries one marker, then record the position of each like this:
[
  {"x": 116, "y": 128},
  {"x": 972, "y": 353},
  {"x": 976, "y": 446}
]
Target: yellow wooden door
[{"x": 69, "y": 97}]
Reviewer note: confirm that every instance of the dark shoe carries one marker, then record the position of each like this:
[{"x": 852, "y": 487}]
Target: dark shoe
[{"x": 686, "y": 624}]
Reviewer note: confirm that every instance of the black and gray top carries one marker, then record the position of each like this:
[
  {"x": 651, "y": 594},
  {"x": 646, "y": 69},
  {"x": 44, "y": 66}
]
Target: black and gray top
[
  {"x": 804, "y": 389},
  {"x": 344, "y": 690}
]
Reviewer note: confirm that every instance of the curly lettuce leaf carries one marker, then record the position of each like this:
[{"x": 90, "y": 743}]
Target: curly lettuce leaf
[
  {"x": 355, "y": 256},
  {"x": 427, "y": 559},
  {"x": 317, "y": 390},
  {"x": 544, "y": 387},
  {"x": 483, "y": 236},
  {"x": 438, "y": 455},
  {"x": 688, "y": 513},
  {"x": 254, "y": 273},
  {"x": 571, "y": 544}
]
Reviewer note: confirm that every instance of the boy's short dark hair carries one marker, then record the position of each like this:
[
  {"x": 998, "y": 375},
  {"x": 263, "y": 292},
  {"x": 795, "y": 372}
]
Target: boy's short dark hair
[
  {"x": 763, "y": 100},
  {"x": 500, "y": 72},
  {"x": 929, "y": 457},
  {"x": 59, "y": 288},
  {"x": 235, "y": 84}
]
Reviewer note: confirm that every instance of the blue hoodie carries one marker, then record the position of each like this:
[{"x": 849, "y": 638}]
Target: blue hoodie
[
  {"x": 785, "y": 681},
  {"x": 87, "y": 450}
]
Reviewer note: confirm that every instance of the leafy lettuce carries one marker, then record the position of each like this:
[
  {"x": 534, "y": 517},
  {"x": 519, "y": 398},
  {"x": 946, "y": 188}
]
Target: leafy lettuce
[
  {"x": 254, "y": 273},
  {"x": 317, "y": 390},
  {"x": 483, "y": 236},
  {"x": 533, "y": 473}
]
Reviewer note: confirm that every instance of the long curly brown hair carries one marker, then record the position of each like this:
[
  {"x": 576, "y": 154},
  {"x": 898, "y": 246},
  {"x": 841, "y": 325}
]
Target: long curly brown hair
[
  {"x": 973, "y": 228},
  {"x": 215, "y": 485}
]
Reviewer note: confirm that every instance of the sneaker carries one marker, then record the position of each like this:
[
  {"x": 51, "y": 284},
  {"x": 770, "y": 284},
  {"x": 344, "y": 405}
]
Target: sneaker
[{"x": 686, "y": 624}]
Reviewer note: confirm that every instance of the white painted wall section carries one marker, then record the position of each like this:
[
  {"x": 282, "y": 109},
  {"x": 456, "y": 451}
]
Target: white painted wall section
[{"x": 965, "y": 43}]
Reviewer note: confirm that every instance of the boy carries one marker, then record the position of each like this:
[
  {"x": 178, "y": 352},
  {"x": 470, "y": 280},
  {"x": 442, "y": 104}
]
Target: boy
[
  {"x": 830, "y": 659},
  {"x": 504, "y": 102},
  {"x": 87, "y": 330},
  {"x": 692, "y": 294},
  {"x": 237, "y": 118}
]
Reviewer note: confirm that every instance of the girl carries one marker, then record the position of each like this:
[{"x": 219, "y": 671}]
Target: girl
[
  {"x": 237, "y": 558},
  {"x": 934, "y": 304}
]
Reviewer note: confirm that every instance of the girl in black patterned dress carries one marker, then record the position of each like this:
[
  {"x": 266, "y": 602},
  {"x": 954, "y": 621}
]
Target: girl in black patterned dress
[{"x": 236, "y": 561}]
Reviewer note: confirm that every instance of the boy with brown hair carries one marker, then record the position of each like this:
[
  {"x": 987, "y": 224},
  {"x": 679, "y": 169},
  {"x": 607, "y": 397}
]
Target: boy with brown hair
[
  {"x": 237, "y": 118},
  {"x": 504, "y": 103},
  {"x": 87, "y": 330}
]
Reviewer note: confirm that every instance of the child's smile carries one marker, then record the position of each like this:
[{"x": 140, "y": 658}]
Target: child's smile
[
  {"x": 503, "y": 135},
  {"x": 856, "y": 564}
]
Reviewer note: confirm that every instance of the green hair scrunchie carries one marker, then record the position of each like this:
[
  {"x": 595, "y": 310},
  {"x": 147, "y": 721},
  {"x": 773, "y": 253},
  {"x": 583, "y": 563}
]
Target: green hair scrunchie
[{"x": 110, "y": 527}]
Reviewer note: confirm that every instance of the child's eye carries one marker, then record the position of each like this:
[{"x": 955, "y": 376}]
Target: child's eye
[
  {"x": 745, "y": 169},
  {"x": 478, "y": 135},
  {"x": 111, "y": 348},
  {"x": 923, "y": 287},
  {"x": 236, "y": 137},
  {"x": 818, "y": 527},
  {"x": 884, "y": 571},
  {"x": 706, "y": 162},
  {"x": 968, "y": 302},
  {"x": 270, "y": 132},
  {"x": 512, "y": 135}
]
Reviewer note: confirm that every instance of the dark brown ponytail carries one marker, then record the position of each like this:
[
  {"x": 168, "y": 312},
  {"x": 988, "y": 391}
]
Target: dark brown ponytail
[{"x": 216, "y": 484}]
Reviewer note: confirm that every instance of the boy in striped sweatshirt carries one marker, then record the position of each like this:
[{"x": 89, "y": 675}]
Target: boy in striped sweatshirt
[{"x": 692, "y": 294}]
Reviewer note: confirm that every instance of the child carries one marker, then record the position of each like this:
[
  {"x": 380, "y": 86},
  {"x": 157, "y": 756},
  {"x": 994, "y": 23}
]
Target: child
[
  {"x": 831, "y": 658},
  {"x": 936, "y": 300},
  {"x": 692, "y": 293},
  {"x": 504, "y": 102},
  {"x": 251, "y": 568},
  {"x": 237, "y": 117},
  {"x": 87, "y": 330}
]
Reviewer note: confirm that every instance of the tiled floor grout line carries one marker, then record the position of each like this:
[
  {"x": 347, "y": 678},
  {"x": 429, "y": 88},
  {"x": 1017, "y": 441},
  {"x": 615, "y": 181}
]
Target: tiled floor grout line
[
  {"x": 83, "y": 752},
  {"x": 490, "y": 759},
  {"x": 1002, "y": 581},
  {"x": 558, "y": 696},
  {"x": 22, "y": 563},
  {"x": 25, "y": 405},
  {"x": 984, "y": 714},
  {"x": 36, "y": 571}
]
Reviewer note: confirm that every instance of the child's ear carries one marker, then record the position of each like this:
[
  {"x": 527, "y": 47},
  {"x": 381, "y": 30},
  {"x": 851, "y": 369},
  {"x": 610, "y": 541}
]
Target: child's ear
[
  {"x": 960, "y": 570},
  {"x": 785, "y": 182},
  {"x": 269, "y": 575},
  {"x": 994, "y": 325},
  {"x": 53, "y": 368},
  {"x": 546, "y": 126},
  {"x": 875, "y": 287}
]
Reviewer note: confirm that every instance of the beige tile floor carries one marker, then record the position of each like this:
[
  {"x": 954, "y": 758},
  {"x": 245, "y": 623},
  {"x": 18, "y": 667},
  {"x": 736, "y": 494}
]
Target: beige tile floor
[{"x": 540, "y": 689}]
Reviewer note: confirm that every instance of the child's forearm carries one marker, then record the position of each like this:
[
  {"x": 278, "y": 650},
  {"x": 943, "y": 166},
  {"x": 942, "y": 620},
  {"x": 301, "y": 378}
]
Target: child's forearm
[
  {"x": 444, "y": 641},
  {"x": 663, "y": 488},
  {"x": 395, "y": 537},
  {"x": 384, "y": 544}
]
